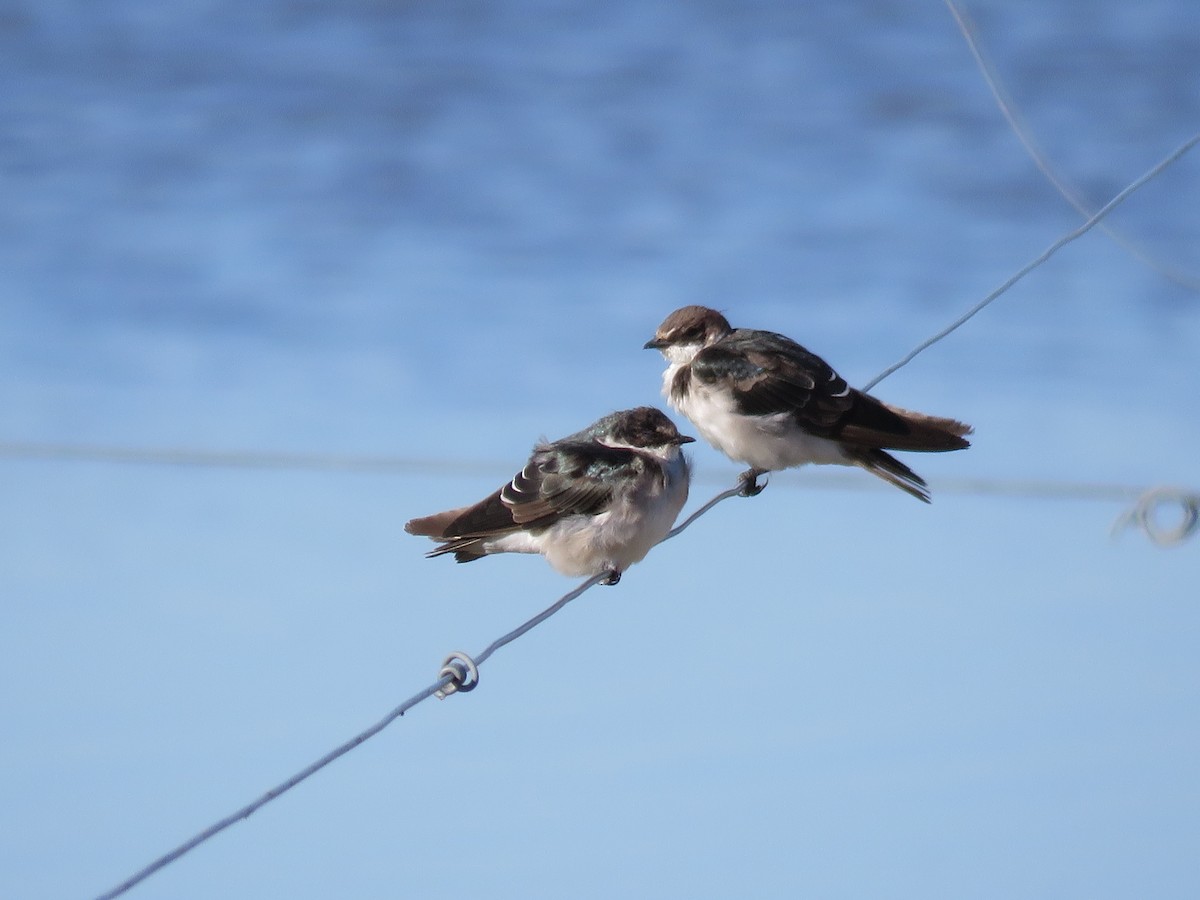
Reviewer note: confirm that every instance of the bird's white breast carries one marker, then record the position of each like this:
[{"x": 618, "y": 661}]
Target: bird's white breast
[
  {"x": 640, "y": 516},
  {"x": 638, "y": 519},
  {"x": 769, "y": 442}
]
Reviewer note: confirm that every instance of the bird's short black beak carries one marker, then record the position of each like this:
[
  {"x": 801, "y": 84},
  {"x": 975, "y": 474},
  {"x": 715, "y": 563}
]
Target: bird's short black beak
[
  {"x": 685, "y": 438},
  {"x": 656, "y": 344}
]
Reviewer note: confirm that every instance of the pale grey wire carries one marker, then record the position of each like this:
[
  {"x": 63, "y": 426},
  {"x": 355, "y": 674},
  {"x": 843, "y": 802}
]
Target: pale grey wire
[
  {"x": 1148, "y": 504},
  {"x": 234, "y": 459},
  {"x": 1029, "y": 267},
  {"x": 447, "y": 680},
  {"x": 277, "y": 461},
  {"x": 441, "y": 684},
  {"x": 1141, "y": 515},
  {"x": 724, "y": 495},
  {"x": 1020, "y": 129},
  {"x": 250, "y": 808},
  {"x": 539, "y": 618}
]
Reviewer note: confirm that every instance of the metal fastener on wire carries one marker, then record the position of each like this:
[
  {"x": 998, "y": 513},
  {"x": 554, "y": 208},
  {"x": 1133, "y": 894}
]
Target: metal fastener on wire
[
  {"x": 1145, "y": 515},
  {"x": 462, "y": 672}
]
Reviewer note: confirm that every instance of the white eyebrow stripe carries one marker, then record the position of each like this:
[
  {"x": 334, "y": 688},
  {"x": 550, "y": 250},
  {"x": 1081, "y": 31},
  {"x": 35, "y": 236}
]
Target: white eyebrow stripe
[{"x": 663, "y": 452}]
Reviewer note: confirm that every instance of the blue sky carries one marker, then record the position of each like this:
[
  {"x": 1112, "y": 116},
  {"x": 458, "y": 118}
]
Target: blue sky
[{"x": 443, "y": 230}]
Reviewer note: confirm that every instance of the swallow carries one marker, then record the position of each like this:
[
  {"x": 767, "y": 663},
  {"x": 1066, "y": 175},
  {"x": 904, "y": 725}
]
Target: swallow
[
  {"x": 593, "y": 502},
  {"x": 765, "y": 401}
]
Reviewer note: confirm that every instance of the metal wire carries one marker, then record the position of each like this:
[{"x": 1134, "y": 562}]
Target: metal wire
[
  {"x": 446, "y": 681},
  {"x": 1030, "y": 266},
  {"x": 52, "y": 451},
  {"x": 451, "y": 680},
  {"x": 818, "y": 479},
  {"x": 250, "y": 808},
  {"x": 1021, "y": 130},
  {"x": 1145, "y": 515},
  {"x": 452, "y": 677}
]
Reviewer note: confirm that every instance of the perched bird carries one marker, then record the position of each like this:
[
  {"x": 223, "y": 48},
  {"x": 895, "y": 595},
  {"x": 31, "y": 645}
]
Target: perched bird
[
  {"x": 595, "y": 501},
  {"x": 762, "y": 399}
]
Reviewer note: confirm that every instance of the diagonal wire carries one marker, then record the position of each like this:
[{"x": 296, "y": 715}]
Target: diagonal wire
[
  {"x": 736, "y": 491},
  {"x": 282, "y": 788},
  {"x": 250, "y": 808},
  {"x": 441, "y": 684},
  {"x": 1190, "y": 501},
  {"x": 447, "y": 680},
  {"x": 1030, "y": 266},
  {"x": 1009, "y": 110}
]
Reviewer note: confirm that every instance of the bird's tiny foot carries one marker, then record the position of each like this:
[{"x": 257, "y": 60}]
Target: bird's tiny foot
[
  {"x": 614, "y": 575},
  {"x": 749, "y": 482}
]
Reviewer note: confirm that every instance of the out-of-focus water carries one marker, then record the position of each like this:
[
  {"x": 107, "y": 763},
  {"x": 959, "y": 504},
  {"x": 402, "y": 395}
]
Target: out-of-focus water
[{"x": 423, "y": 189}]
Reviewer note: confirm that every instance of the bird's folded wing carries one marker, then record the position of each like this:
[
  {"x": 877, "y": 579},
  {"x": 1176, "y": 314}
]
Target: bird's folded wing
[
  {"x": 561, "y": 479},
  {"x": 567, "y": 478},
  {"x": 768, "y": 373}
]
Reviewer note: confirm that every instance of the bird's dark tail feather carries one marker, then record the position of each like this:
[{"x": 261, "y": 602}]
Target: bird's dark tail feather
[
  {"x": 439, "y": 526},
  {"x": 464, "y": 550},
  {"x": 891, "y": 470},
  {"x": 876, "y": 424},
  {"x": 434, "y": 526},
  {"x": 931, "y": 434}
]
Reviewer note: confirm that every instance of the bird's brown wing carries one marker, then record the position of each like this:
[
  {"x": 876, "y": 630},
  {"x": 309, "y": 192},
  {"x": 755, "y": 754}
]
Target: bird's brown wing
[
  {"x": 561, "y": 479},
  {"x": 768, "y": 374}
]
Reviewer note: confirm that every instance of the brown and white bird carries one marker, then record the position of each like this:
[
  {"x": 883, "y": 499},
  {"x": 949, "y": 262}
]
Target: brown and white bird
[
  {"x": 763, "y": 400},
  {"x": 593, "y": 502}
]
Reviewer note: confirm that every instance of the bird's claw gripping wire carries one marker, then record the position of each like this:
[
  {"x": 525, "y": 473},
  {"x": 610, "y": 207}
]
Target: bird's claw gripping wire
[
  {"x": 749, "y": 483},
  {"x": 462, "y": 672}
]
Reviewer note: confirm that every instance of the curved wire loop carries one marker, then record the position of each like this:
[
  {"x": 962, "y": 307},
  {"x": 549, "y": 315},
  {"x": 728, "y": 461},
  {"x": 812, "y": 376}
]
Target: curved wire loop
[
  {"x": 462, "y": 672},
  {"x": 1145, "y": 515}
]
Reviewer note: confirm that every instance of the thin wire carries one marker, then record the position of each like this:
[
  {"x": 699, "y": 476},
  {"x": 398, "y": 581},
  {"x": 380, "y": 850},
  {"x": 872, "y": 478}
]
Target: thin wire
[
  {"x": 1021, "y": 130},
  {"x": 234, "y": 459},
  {"x": 272, "y": 460},
  {"x": 540, "y": 617},
  {"x": 1026, "y": 488},
  {"x": 1040, "y": 489},
  {"x": 1145, "y": 512},
  {"x": 250, "y": 808},
  {"x": 1140, "y": 516},
  {"x": 1029, "y": 267},
  {"x": 735, "y": 491},
  {"x": 304, "y": 461}
]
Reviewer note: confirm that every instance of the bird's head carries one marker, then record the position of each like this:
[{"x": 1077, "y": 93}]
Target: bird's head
[{"x": 687, "y": 331}]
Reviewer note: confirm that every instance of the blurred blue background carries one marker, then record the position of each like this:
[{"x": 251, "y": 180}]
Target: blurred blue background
[{"x": 441, "y": 230}]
